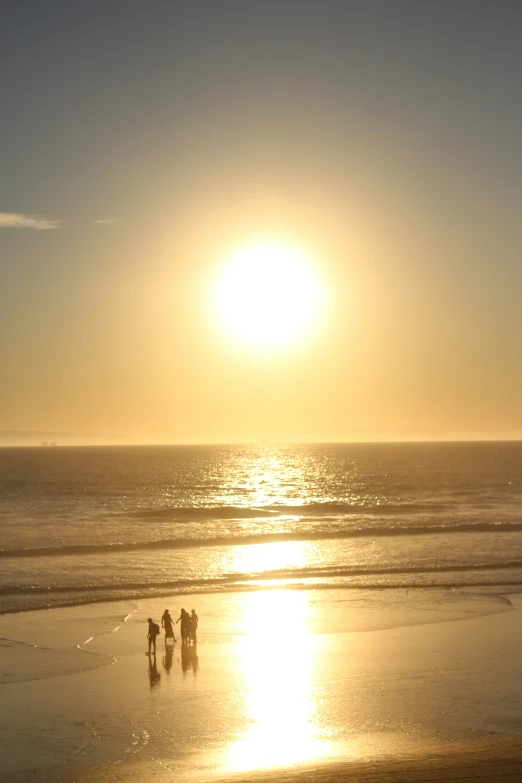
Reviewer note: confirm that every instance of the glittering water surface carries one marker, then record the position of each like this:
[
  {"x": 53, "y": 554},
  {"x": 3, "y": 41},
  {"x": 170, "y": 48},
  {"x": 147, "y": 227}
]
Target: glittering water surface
[{"x": 83, "y": 524}]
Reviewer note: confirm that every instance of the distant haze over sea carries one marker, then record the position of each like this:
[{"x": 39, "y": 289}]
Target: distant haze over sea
[{"x": 30, "y": 438}]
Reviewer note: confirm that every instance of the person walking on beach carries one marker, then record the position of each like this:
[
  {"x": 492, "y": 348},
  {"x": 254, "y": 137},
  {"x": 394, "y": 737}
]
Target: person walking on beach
[
  {"x": 152, "y": 633},
  {"x": 168, "y": 625},
  {"x": 194, "y": 619},
  {"x": 185, "y": 626}
]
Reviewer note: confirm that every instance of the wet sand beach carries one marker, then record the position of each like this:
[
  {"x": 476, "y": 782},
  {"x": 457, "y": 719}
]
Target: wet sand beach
[
  {"x": 499, "y": 761},
  {"x": 283, "y": 685}
]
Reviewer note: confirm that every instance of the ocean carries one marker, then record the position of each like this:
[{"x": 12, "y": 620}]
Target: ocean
[{"x": 87, "y": 524}]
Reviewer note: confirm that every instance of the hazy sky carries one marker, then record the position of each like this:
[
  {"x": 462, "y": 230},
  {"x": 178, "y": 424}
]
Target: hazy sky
[{"x": 142, "y": 141}]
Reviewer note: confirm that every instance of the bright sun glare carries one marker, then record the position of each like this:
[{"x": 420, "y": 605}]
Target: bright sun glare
[{"x": 268, "y": 294}]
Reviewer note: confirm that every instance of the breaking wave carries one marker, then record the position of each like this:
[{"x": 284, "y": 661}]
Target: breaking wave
[
  {"x": 195, "y": 513},
  {"x": 282, "y": 573},
  {"x": 372, "y": 531}
]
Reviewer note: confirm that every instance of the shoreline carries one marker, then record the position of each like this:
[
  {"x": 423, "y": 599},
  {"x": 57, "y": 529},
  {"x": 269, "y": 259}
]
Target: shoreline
[
  {"x": 494, "y": 589},
  {"x": 493, "y": 760}
]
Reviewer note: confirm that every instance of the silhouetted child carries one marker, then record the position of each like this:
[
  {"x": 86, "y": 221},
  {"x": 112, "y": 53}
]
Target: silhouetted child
[{"x": 152, "y": 633}]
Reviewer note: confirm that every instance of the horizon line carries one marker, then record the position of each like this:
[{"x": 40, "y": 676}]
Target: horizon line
[{"x": 263, "y": 442}]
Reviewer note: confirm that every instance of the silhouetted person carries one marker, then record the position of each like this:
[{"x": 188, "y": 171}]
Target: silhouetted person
[
  {"x": 152, "y": 633},
  {"x": 154, "y": 675},
  {"x": 194, "y": 619},
  {"x": 184, "y": 618},
  {"x": 167, "y": 658},
  {"x": 168, "y": 624}
]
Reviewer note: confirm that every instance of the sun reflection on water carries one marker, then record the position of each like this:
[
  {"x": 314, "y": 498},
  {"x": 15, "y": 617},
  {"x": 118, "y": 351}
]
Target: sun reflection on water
[
  {"x": 258, "y": 558},
  {"x": 277, "y": 660}
]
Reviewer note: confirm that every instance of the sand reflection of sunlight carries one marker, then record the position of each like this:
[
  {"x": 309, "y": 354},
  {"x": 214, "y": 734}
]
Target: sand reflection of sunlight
[{"x": 278, "y": 663}]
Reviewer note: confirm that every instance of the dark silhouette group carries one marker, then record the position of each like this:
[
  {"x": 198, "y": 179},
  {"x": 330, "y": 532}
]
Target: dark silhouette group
[
  {"x": 189, "y": 659},
  {"x": 189, "y": 629}
]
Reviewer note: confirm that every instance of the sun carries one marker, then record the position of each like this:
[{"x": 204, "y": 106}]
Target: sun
[{"x": 268, "y": 294}]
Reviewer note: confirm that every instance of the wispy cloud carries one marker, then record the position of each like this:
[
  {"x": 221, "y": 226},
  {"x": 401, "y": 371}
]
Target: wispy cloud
[
  {"x": 34, "y": 222},
  {"x": 103, "y": 221}
]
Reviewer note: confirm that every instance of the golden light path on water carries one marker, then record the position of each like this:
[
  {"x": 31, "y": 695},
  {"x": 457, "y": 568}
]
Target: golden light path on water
[
  {"x": 276, "y": 657},
  {"x": 279, "y": 652},
  {"x": 257, "y": 558}
]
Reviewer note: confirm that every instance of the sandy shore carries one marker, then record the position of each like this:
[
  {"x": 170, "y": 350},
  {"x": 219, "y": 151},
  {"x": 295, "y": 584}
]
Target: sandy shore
[
  {"x": 498, "y": 760},
  {"x": 439, "y": 699}
]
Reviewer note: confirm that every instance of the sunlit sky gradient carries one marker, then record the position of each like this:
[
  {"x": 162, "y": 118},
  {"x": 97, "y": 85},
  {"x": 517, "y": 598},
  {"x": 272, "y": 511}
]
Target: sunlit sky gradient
[{"x": 143, "y": 142}]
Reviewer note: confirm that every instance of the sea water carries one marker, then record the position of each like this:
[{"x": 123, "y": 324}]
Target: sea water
[{"x": 81, "y": 525}]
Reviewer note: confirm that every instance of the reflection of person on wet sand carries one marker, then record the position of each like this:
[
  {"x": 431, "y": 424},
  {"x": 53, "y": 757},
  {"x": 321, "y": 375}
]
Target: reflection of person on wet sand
[
  {"x": 168, "y": 625},
  {"x": 152, "y": 634},
  {"x": 189, "y": 659},
  {"x": 154, "y": 675},
  {"x": 167, "y": 658}
]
